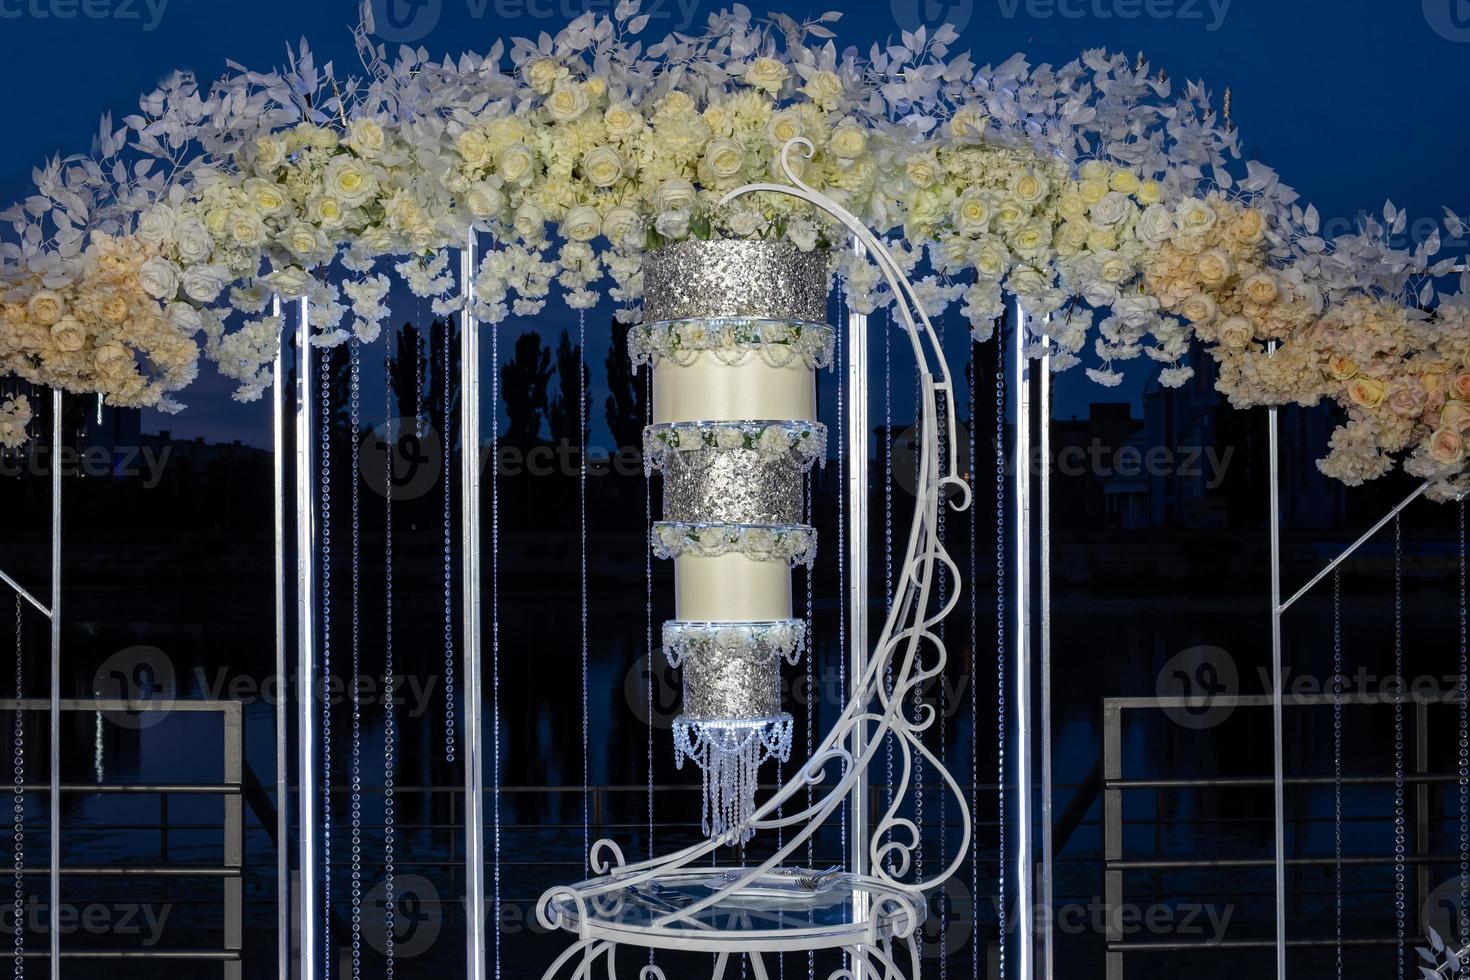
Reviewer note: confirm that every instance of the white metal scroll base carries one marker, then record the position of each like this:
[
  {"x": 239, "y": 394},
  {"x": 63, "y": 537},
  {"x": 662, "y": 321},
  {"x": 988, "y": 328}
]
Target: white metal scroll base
[{"x": 655, "y": 905}]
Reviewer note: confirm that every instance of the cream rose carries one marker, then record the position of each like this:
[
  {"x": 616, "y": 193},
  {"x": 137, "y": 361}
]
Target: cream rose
[
  {"x": 968, "y": 123},
  {"x": 1455, "y": 415},
  {"x": 68, "y": 335},
  {"x": 204, "y": 283},
  {"x": 921, "y": 171},
  {"x": 992, "y": 258},
  {"x": 305, "y": 241},
  {"x": 619, "y": 223},
  {"x": 267, "y": 197},
  {"x": 1199, "y": 308},
  {"x": 1236, "y": 332},
  {"x": 1261, "y": 288},
  {"x": 1341, "y": 368},
  {"x": 1092, "y": 191},
  {"x": 156, "y": 228},
  {"x": 1149, "y": 192},
  {"x": 1124, "y": 181},
  {"x": 766, "y": 74},
  {"x": 246, "y": 228},
  {"x": 1447, "y": 446},
  {"x": 1111, "y": 211},
  {"x": 114, "y": 361},
  {"x": 1155, "y": 226},
  {"x": 1195, "y": 217},
  {"x": 1460, "y": 387},
  {"x": 1214, "y": 267},
  {"x": 270, "y": 153},
  {"x": 45, "y": 308},
  {"x": 1030, "y": 188},
  {"x": 1248, "y": 227},
  {"x": 824, "y": 88},
  {"x": 725, "y": 158},
  {"x": 115, "y": 308},
  {"x": 582, "y": 224},
  {"x": 530, "y": 222},
  {"x": 1366, "y": 391},
  {"x": 326, "y": 211},
  {"x": 1116, "y": 269}
]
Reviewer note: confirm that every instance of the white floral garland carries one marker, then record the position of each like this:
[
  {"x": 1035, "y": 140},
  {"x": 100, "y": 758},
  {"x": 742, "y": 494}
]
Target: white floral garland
[
  {"x": 1113, "y": 205},
  {"x": 795, "y": 544},
  {"x": 15, "y": 415},
  {"x": 807, "y": 439},
  {"x": 733, "y": 341}
]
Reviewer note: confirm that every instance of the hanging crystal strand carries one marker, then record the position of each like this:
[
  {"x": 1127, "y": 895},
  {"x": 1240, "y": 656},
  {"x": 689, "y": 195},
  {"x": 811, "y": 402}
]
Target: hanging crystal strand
[
  {"x": 444, "y": 374},
  {"x": 419, "y": 360},
  {"x": 1400, "y": 903},
  {"x": 811, "y": 699},
  {"x": 1000, "y": 648},
  {"x": 582, "y": 539},
  {"x": 1337, "y": 760},
  {"x": 648, "y": 601},
  {"x": 918, "y": 691},
  {"x": 841, "y": 434},
  {"x": 1463, "y": 923},
  {"x": 975, "y": 952},
  {"x": 943, "y": 696},
  {"x": 18, "y": 765},
  {"x": 495, "y": 614},
  {"x": 390, "y": 720},
  {"x": 355, "y": 813},
  {"x": 326, "y": 523},
  {"x": 888, "y": 547}
]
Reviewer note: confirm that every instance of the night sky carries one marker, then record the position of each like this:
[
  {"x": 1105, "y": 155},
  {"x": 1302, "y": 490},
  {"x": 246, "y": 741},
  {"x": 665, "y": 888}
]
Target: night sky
[{"x": 1352, "y": 102}]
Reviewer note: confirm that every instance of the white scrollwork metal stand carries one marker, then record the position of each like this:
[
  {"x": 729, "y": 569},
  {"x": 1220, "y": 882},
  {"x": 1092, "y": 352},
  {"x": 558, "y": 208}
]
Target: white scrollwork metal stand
[{"x": 629, "y": 904}]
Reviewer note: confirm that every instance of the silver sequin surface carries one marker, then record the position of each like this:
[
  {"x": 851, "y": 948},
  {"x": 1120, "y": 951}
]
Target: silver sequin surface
[
  {"x": 735, "y": 486},
  {"x": 739, "y": 684},
  {"x": 775, "y": 280}
]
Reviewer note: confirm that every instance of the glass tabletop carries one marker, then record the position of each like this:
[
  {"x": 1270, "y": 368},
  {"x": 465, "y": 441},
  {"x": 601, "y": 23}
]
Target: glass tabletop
[{"x": 780, "y": 905}]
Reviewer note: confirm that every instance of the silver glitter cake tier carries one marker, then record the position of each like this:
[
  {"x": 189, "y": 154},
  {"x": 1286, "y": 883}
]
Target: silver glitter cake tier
[
  {"x": 774, "y": 280},
  {"x": 739, "y": 684},
  {"x": 735, "y": 486}
]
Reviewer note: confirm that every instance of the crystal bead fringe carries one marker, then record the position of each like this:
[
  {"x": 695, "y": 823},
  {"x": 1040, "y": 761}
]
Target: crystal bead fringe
[
  {"x": 495, "y": 620},
  {"x": 354, "y": 355},
  {"x": 326, "y": 658},
  {"x": 582, "y": 537},
  {"x": 1400, "y": 899},
  {"x": 975, "y": 949},
  {"x": 390, "y": 721},
  {"x": 446, "y": 393},
  {"x": 1337, "y": 761},
  {"x": 1462, "y": 925},
  {"x": 1000, "y": 655},
  {"x": 18, "y": 772},
  {"x": 731, "y": 754}
]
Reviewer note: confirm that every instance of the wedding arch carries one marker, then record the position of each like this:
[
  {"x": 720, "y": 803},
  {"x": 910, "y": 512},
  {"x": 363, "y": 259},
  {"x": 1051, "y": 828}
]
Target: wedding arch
[{"x": 1101, "y": 196}]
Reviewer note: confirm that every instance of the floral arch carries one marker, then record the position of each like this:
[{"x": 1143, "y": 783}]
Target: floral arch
[{"x": 1109, "y": 199}]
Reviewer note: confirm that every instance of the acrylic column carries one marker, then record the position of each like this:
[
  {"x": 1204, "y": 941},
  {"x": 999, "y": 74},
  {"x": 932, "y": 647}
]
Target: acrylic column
[{"x": 734, "y": 335}]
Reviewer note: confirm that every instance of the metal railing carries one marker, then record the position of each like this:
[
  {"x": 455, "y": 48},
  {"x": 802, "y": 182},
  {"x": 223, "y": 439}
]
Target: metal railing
[
  {"x": 230, "y": 871},
  {"x": 1116, "y": 784}
]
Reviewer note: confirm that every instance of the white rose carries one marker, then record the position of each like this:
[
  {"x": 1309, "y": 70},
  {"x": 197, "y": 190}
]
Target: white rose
[
  {"x": 972, "y": 213},
  {"x": 366, "y": 136},
  {"x": 326, "y": 211},
  {"x": 729, "y": 437},
  {"x": 622, "y": 120},
  {"x": 473, "y": 147},
  {"x": 290, "y": 282},
  {"x": 350, "y": 181},
  {"x": 1200, "y": 308},
  {"x": 802, "y": 233},
  {"x": 542, "y": 74},
  {"x": 619, "y": 223},
  {"x": 269, "y": 153},
  {"x": 1262, "y": 288},
  {"x": 193, "y": 241},
  {"x": 156, "y": 228},
  {"x": 677, "y": 194},
  {"x": 724, "y": 157},
  {"x": 773, "y": 441},
  {"x": 747, "y": 223},
  {"x": 848, "y": 142},
  {"x": 991, "y": 257},
  {"x": 582, "y": 224},
  {"x": 824, "y": 88},
  {"x": 602, "y": 166},
  {"x": 783, "y": 127},
  {"x": 45, "y": 308},
  {"x": 114, "y": 361},
  {"x": 159, "y": 278},
  {"x": 515, "y": 163},
  {"x": 1111, "y": 211},
  {"x": 1155, "y": 227},
  {"x": 204, "y": 283},
  {"x": 766, "y": 74},
  {"x": 1195, "y": 216},
  {"x": 566, "y": 102},
  {"x": 672, "y": 224},
  {"x": 305, "y": 241},
  {"x": 1116, "y": 269},
  {"x": 1030, "y": 188},
  {"x": 1099, "y": 293},
  {"x": 267, "y": 197},
  {"x": 484, "y": 199},
  {"x": 1135, "y": 311},
  {"x": 530, "y": 222}
]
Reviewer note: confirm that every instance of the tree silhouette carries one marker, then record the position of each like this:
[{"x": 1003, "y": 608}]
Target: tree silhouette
[
  {"x": 626, "y": 408},
  {"x": 523, "y": 382},
  {"x": 565, "y": 413}
]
